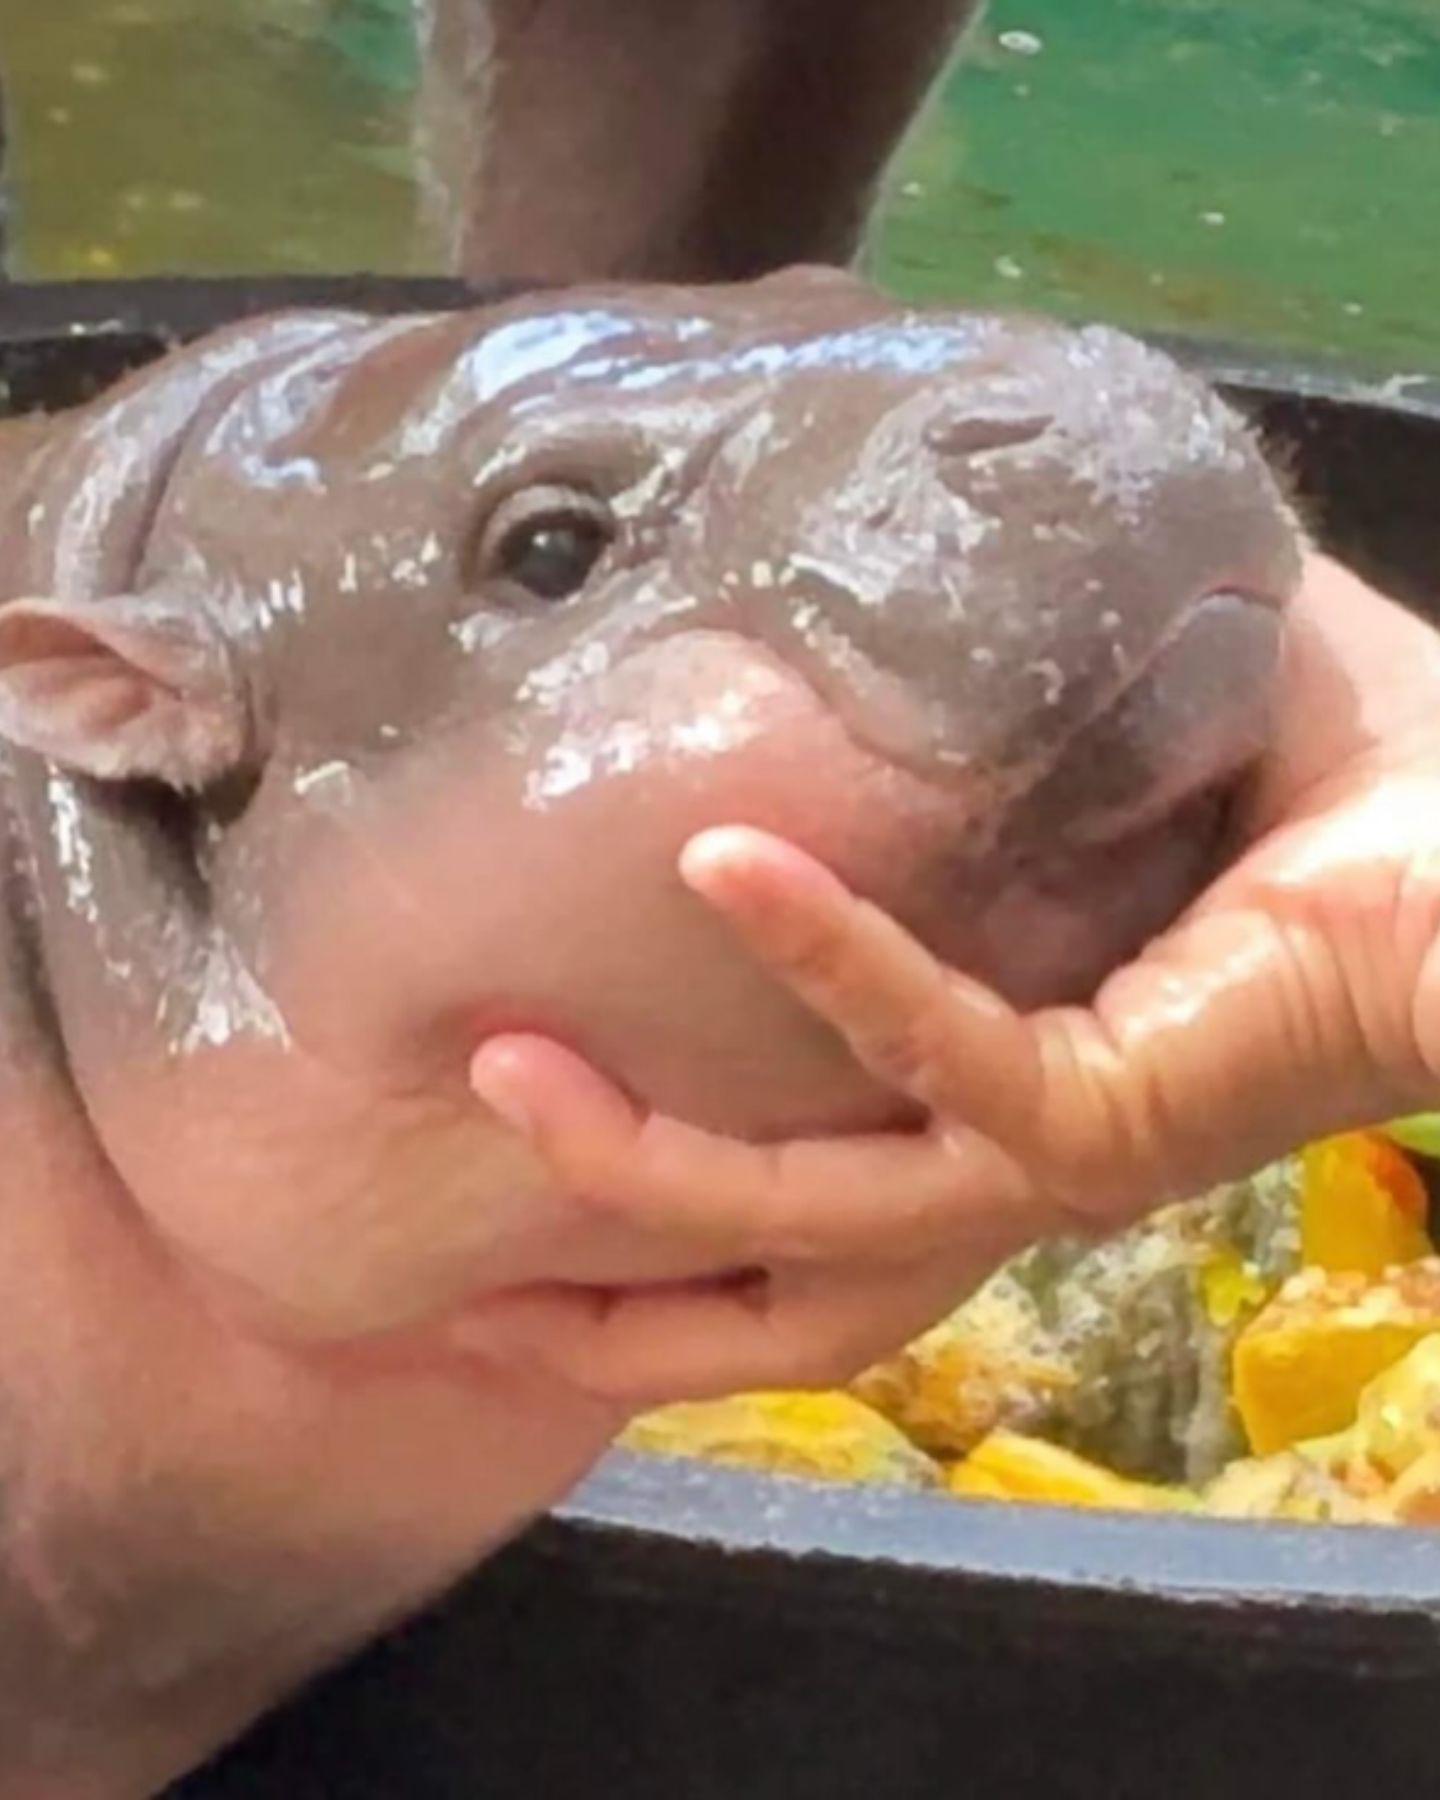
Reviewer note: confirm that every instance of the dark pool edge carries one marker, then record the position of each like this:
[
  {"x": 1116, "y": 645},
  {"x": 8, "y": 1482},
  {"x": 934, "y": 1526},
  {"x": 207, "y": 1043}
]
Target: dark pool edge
[{"x": 1327, "y": 1592}]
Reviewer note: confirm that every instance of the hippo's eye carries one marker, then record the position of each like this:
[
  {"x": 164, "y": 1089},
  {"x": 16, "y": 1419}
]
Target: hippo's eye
[{"x": 546, "y": 541}]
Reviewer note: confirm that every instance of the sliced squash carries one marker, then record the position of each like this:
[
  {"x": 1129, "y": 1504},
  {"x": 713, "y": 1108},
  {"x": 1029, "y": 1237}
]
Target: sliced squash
[
  {"x": 1302, "y": 1364},
  {"x": 1009, "y": 1466},
  {"x": 1414, "y": 1499},
  {"x": 1398, "y": 1418},
  {"x": 825, "y": 1436},
  {"x": 1363, "y": 1207}
]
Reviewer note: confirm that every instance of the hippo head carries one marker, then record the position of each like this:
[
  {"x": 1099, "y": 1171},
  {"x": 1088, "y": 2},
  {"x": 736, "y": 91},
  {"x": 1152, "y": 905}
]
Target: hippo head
[{"x": 424, "y": 646}]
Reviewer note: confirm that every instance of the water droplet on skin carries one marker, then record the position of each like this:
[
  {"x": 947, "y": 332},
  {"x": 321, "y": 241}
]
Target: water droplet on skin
[
  {"x": 620, "y": 747},
  {"x": 325, "y": 774},
  {"x": 73, "y": 851},
  {"x": 1052, "y": 681},
  {"x": 228, "y": 1003}
]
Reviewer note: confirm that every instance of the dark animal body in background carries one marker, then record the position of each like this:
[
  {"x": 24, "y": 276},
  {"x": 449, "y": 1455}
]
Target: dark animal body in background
[{"x": 689, "y": 140}]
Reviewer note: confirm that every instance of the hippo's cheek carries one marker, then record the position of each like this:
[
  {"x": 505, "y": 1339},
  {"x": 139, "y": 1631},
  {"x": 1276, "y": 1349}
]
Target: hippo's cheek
[
  {"x": 317, "y": 1210},
  {"x": 525, "y": 876}
]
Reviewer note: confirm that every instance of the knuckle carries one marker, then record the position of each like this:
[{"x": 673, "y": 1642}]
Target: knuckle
[
  {"x": 909, "y": 1051},
  {"x": 1100, "y": 1131},
  {"x": 814, "y": 959},
  {"x": 796, "y": 1227}
]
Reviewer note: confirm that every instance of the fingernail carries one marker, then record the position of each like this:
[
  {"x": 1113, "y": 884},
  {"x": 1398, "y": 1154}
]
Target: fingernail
[
  {"x": 747, "y": 872},
  {"x": 710, "y": 855},
  {"x": 490, "y": 1081}
]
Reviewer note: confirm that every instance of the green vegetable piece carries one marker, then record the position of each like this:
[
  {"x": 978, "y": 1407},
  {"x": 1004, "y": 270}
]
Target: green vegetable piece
[{"x": 1419, "y": 1133}]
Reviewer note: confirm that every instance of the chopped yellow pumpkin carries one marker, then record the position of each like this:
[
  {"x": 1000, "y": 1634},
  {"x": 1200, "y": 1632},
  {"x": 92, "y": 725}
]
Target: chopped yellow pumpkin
[
  {"x": 1008, "y": 1466},
  {"x": 1398, "y": 1418},
  {"x": 968, "y": 1483},
  {"x": 1414, "y": 1499},
  {"x": 827, "y": 1436},
  {"x": 1363, "y": 1207},
  {"x": 1300, "y": 1367}
]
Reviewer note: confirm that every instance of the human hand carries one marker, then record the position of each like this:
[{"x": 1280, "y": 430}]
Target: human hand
[{"x": 1299, "y": 995}]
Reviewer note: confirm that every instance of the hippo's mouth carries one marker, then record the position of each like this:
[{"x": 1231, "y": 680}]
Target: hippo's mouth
[
  {"x": 1113, "y": 749},
  {"x": 1043, "y": 848}
]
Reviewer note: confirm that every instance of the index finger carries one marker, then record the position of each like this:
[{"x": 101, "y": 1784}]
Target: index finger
[{"x": 1231, "y": 1039}]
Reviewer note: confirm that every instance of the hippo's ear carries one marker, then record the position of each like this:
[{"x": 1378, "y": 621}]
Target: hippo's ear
[{"x": 123, "y": 688}]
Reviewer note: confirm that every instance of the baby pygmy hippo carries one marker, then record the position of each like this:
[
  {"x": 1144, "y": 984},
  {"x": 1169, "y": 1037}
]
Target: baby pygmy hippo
[{"x": 360, "y": 682}]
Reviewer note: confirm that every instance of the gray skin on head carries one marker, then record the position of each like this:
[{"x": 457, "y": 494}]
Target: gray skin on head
[{"x": 363, "y": 679}]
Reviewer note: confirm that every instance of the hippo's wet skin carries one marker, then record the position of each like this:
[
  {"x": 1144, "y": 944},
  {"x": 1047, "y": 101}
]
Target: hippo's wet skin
[{"x": 363, "y": 679}]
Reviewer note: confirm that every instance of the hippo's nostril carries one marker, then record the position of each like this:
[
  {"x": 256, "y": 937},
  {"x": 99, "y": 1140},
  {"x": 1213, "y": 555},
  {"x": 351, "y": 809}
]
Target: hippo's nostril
[{"x": 976, "y": 434}]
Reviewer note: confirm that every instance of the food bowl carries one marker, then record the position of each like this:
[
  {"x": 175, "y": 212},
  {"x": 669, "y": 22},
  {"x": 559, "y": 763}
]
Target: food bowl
[{"x": 685, "y": 1632}]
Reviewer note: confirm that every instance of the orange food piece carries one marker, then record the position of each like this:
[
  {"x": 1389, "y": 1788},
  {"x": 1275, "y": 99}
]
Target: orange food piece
[
  {"x": 1397, "y": 1422},
  {"x": 1414, "y": 1499},
  {"x": 824, "y": 1436},
  {"x": 1300, "y": 1367},
  {"x": 1009, "y": 1466},
  {"x": 1363, "y": 1206}
]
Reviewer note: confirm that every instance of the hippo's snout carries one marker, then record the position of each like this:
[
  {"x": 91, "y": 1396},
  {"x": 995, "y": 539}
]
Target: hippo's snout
[{"x": 978, "y": 571}]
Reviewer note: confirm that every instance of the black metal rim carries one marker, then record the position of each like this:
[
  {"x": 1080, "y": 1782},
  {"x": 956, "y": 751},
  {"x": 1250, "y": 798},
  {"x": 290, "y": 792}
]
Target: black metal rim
[
  {"x": 177, "y": 307},
  {"x": 1319, "y": 1594}
]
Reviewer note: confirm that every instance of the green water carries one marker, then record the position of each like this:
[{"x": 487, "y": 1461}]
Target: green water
[
  {"x": 1265, "y": 169},
  {"x": 223, "y": 136},
  {"x": 1261, "y": 168}
]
